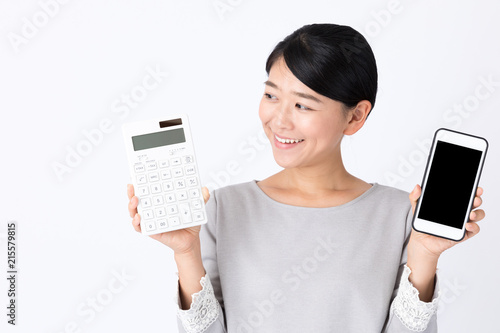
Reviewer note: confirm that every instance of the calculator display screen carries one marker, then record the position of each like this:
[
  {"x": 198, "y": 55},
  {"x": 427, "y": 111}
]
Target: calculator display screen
[{"x": 158, "y": 139}]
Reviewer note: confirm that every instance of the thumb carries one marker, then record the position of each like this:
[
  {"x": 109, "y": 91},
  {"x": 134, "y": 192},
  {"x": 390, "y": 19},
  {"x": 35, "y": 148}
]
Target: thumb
[
  {"x": 414, "y": 195},
  {"x": 206, "y": 193}
]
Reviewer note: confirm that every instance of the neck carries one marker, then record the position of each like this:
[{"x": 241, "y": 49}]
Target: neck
[{"x": 316, "y": 179}]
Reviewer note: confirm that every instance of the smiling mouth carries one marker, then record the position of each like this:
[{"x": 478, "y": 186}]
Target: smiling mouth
[{"x": 287, "y": 140}]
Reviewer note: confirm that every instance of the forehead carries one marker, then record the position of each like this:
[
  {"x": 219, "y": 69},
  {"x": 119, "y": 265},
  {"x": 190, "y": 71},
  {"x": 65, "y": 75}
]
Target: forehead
[
  {"x": 281, "y": 75},
  {"x": 283, "y": 79}
]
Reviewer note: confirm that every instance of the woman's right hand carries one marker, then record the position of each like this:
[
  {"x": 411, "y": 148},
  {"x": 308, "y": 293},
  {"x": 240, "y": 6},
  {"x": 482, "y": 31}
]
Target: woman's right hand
[{"x": 181, "y": 240}]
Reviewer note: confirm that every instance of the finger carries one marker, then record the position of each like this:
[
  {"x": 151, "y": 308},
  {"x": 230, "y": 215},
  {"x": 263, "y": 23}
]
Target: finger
[
  {"x": 472, "y": 228},
  {"x": 136, "y": 222},
  {"x": 130, "y": 190},
  {"x": 477, "y": 202},
  {"x": 132, "y": 206},
  {"x": 206, "y": 193},
  {"x": 479, "y": 192},
  {"x": 477, "y": 215},
  {"x": 414, "y": 195}
]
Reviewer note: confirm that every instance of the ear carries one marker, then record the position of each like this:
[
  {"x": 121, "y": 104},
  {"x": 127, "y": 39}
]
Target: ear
[{"x": 357, "y": 117}]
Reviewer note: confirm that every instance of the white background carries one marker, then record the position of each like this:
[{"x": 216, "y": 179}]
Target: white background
[{"x": 67, "y": 75}]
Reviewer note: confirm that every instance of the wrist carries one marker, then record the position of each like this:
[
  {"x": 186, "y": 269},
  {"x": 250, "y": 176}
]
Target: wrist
[
  {"x": 188, "y": 257},
  {"x": 423, "y": 266},
  {"x": 422, "y": 263},
  {"x": 417, "y": 250}
]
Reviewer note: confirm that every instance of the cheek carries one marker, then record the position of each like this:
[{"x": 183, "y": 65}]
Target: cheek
[
  {"x": 264, "y": 112},
  {"x": 325, "y": 132},
  {"x": 312, "y": 126}
]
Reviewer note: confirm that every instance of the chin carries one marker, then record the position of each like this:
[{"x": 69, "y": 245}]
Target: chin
[{"x": 285, "y": 162}]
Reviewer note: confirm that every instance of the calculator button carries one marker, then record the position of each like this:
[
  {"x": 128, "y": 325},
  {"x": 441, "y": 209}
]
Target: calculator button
[
  {"x": 170, "y": 197},
  {"x": 162, "y": 223},
  {"x": 141, "y": 179},
  {"x": 158, "y": 200},
  {"x": 147, "y": 214},
  {"x": 196, "y": 204},
  {"x": 139, "y": 168},
  {"x": 198, "y": 216},
  {"x": 175, "y": 161},
  {"x": 150, "y": 225},
  {"x": 194, "y": 193},
  {"x": 163, "y": 163},
  {"x": 177, "y": 172},
  {"x": 168, "y": 186},
  {"x": 156, "y": 188},
  {"x": 174, "y": 221},
  {"x": 180, "y": 183},
  {"x": 145, "y": 202},
  {"x": 143, "y": 190},
  {"x": 193, "y": 181},
  {"x": 190, "y": 170},
  {"x": 188, "y": 159},
  {"x": 172, "y": 209},
  {"x": 185, "y": 213},
  {"x": 181, "y": 195},
  {"x": 160, "y": 212},
  {"x": 153, "y": 177},
  {"x": 165, "y": 174},
  {"x": 150, "y": 165}
]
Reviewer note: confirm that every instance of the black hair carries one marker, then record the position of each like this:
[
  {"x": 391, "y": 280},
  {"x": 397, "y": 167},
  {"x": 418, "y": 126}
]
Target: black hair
[{"x": 334, "y": 60}]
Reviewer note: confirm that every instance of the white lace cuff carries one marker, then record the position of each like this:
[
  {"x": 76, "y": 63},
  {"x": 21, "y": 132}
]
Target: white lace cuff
[
  {"x": 204, "y": 308},
  {"x": 408, "y": 307}
]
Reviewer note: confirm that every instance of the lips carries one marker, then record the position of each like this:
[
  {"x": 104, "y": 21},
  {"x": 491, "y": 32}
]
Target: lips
[{"x": 287, "y": 140}]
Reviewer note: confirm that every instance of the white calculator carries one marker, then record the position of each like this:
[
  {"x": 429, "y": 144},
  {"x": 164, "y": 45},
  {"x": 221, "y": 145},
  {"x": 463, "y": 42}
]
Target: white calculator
[{"x": 164, "y": 174}]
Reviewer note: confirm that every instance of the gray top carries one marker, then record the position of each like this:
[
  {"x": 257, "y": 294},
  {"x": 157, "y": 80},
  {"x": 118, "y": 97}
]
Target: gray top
[{"x": 281, "y": 268}]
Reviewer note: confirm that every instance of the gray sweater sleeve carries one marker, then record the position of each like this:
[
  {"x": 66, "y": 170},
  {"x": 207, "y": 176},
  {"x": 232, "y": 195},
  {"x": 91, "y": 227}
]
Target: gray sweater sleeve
[
  {"x": 201, "y": 316},
  {"x": 397, "y": 320}
]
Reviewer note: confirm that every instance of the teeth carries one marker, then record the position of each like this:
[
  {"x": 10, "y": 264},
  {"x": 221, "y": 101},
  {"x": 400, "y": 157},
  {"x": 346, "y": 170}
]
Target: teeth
[{"x": 287, "y": 140}]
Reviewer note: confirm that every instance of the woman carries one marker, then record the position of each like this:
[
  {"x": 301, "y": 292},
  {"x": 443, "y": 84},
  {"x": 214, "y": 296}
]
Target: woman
[{"x": 311, "y": 248}]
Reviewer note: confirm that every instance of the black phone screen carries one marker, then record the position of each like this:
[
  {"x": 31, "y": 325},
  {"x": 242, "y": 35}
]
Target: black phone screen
[{"x": 449, "y": 184}]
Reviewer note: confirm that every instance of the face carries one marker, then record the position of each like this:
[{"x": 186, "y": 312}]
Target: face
[{"x": 305, "y": 128}]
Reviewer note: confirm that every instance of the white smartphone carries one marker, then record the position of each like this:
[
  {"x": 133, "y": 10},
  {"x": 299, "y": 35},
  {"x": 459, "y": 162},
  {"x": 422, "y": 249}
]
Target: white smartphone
[{"x": 449, "y": 185}]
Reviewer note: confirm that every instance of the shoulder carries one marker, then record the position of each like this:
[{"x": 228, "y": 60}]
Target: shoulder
[
  {"x": 391, "y": 195},
  {"x": 233, "y": 190},
  {"x": 392, "y": 192},
  {"x": 388, "y": 204},
  {"x": 234, "y": 202},
  {"x": 396, "y": 204},
  {"x": 239, "y": 193}
]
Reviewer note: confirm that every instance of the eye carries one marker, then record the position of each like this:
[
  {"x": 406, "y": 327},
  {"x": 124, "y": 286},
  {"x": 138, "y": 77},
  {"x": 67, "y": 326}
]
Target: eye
[
  {"x": 269, "y": 96},
  {"x": 302, "y": 107}
]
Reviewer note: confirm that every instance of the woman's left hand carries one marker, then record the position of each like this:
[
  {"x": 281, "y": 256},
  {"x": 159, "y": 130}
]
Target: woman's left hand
[{"x": 434, "y": 246}]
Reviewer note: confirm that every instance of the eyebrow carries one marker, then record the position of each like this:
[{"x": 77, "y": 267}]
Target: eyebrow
[{"x": 296, "y": 93}]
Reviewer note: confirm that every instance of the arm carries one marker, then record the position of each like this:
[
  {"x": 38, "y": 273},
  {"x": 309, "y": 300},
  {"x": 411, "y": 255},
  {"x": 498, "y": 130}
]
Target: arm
[
  {"x": 190, "y": 271},
  {"x": 408, "y": 312},
  {"x": 198, "y": 309},
  {"x": 418, "y": 293},
  {"x": 423, "y": 271},
  {"x": 199, "y": 294},
  {"x": 424, "y": 250}
]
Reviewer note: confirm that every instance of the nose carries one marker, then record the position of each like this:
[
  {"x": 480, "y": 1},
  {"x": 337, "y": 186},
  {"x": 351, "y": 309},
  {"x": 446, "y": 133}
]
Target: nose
[{"x": 283, "y": 117}]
